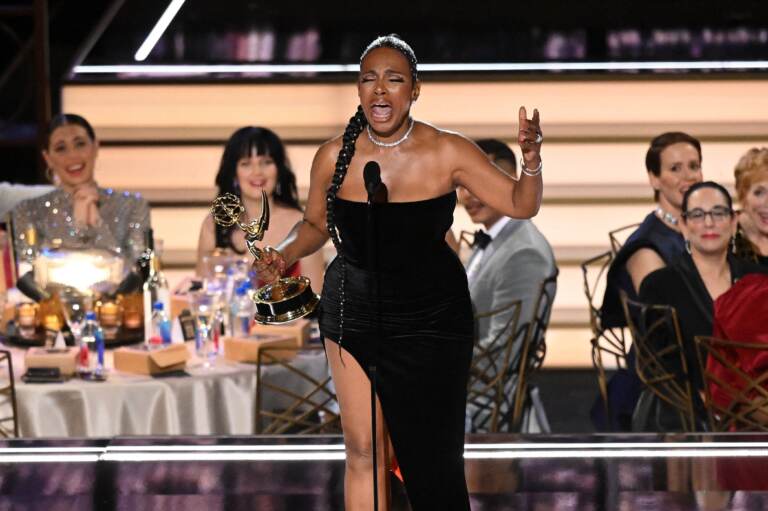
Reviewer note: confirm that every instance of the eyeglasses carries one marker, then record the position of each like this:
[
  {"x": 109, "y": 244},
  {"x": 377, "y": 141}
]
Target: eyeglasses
[{"x": 718, "y": 214}]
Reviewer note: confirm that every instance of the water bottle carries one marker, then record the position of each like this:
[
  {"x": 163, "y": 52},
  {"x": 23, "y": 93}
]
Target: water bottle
[
  {"x": 155, "y": 288},
  {"x": 90, "y": 360},
  {"x": 242, "y": 312},
  {"x": 229, "y": 284},
  {"x": 161, "y": 326}
]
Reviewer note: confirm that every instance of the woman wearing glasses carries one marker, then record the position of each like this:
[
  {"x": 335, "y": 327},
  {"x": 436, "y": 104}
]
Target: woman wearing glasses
[{"x": 705, "y": 271}]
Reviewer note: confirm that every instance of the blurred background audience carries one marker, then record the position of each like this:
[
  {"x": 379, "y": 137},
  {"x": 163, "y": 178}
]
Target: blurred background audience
[
  {"x": 693, "y": 282},
  {"x": 254, "y": 159},
  {"x": 751, "y": 176},
  {"x": 78, "y": 213},
  {"x": 509, "y": 261}
]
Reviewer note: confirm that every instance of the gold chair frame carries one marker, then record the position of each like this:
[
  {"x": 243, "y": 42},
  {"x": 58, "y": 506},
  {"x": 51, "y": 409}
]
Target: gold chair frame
[
  {"x": 610, "y": 343},
  {"x": 659, "y": 323},
  {"x": 748, "y": 409},
  {"x": 534, "y": 346},
  {"x": 312, "y": 412},
  {"x": 490, "y": 368},
  {"x": 9, "y": 391}
]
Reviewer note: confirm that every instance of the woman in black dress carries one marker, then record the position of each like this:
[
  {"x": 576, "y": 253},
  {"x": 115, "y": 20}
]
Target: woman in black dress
[
  {"x": 673, "y": 164},
  {"x": 691, "y": 285},
  {"x": 423, "y": 346}
]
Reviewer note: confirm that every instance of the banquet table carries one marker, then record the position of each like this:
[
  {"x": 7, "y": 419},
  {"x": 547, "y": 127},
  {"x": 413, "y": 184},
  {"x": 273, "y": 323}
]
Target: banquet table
[{"x": 218, "y": 400}]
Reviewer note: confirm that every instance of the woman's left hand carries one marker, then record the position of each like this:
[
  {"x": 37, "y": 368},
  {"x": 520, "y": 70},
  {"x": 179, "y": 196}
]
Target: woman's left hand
[
  {"x": 86, "y": 206},
  {"x": 530, "y": 138}
]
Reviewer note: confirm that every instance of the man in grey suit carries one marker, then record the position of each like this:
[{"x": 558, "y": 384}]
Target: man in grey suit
[{"x": 509, "y": 262}]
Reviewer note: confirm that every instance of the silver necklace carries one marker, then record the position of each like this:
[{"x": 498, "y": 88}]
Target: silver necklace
[
  {"x": 389, "y": 144},
  {"x": 666, "y": 216}
]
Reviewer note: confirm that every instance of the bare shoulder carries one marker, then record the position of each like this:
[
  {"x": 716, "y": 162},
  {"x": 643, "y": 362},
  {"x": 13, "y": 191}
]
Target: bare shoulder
[
  {"x": 452, "y": 141},
  {"x": 646, "y": 256},
  {"x": 329, "y": 150},
  {"x": 325, "y": 159},
  {"x": 207, "y": 224}
]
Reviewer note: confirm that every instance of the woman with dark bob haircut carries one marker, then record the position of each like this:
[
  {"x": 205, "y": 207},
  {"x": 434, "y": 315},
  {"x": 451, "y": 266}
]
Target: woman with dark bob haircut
[
  {"x": 422, "y": 346},
  {"x": 691, "y": 284},
  {"x": 254, "y": 159}
]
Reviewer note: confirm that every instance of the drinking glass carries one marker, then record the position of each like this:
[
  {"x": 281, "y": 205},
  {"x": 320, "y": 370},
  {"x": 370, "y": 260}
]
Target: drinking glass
[{"x": 204, "y": 305}]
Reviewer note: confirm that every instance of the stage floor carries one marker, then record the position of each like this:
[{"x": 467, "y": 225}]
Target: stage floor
[{"x": 504, "y": 472}]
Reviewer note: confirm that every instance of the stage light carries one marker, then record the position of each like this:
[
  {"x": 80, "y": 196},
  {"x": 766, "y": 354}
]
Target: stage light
[
  {"x": 157, "y": 31},
  {"x": 335, "y": 452},
  {"x": 245, "y": 69}
]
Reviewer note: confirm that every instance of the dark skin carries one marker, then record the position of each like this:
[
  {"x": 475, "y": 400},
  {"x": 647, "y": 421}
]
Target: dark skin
[{"x": 430, "y": 163}]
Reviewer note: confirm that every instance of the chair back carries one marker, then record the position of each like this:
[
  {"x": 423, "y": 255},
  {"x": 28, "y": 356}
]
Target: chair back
[
  {"x": 608, "y": 344},
  {"x": 490, "y": 372},
  {"x": 295, "y": 393},
  {"x": 619, "y": 236},
  {"x": 9, "y": 426},
  {"x": 534, "y": 347},
  {"x": 661, "y": 363},
  {"x": 735, "y": 383}
]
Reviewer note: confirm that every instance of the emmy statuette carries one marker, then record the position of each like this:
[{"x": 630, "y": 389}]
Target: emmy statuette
[{"x": 288, "y": 298}]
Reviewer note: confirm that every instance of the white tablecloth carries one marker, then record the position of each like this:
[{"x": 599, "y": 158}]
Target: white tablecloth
[{"x": 213, "y": 401}]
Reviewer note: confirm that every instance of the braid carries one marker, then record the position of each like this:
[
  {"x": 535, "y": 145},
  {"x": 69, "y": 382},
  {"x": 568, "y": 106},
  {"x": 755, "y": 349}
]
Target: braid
[{"x": 355, "y": 126}]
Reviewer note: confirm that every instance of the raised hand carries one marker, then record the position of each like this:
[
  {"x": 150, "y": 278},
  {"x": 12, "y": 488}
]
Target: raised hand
[
  {"x": 85, "y": 206},
  {"x": 530, "y": 138},
  {"x": 270, "y": 266}
]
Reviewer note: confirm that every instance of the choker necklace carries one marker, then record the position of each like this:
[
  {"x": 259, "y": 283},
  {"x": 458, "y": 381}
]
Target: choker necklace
[
  {"x": 666, "y": 216},
  {"x": 389, "y": 144}
]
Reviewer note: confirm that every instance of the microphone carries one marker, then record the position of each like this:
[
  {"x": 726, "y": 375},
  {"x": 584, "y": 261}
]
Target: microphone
[
  {"x": 377, "y": 191},
  {"x": 372, "y": 178}
]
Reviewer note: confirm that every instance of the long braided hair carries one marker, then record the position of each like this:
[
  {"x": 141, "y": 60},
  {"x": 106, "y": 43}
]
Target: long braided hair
[{"x": 356, "y": 125}]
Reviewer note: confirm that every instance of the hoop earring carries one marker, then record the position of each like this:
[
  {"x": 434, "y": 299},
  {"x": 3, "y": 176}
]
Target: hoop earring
[
  {"x": 688, "y": 246},
  {"x": 49, "y": 174}
]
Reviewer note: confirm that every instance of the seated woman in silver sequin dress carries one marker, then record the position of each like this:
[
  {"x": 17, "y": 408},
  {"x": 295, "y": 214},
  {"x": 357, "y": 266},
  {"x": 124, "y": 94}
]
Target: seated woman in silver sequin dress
[{"x": 77, "y": 213}]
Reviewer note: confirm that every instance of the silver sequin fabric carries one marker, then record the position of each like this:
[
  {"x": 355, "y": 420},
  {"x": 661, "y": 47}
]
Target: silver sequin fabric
[{"x": 125, "y": 218}]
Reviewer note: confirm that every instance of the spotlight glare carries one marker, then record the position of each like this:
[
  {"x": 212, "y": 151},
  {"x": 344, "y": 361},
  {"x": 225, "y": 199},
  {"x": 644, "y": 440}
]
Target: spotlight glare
[{"x": 158, "y": 30}]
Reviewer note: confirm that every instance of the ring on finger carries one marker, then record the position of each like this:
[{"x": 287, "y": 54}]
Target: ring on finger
[{"x": 539, "y": 138}]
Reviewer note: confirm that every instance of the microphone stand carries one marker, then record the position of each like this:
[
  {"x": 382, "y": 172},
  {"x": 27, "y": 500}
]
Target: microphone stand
[
  {"x": 375, "y": 196},
  {"x": 373, "y": 266}
]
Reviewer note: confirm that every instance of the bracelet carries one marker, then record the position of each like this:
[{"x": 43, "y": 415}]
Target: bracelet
[{"x": 528, "y": 172}]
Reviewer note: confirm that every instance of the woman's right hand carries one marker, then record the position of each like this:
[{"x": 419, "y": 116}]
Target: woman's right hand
[
  {"x": 85, "y": 209},
  {"x": 270, "y": 266}
]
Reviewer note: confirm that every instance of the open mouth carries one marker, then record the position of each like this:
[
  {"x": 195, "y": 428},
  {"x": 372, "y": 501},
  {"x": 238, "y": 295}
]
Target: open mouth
[
  {"x": 381, "y": 111},
  {"x": 75, "y": 169}
]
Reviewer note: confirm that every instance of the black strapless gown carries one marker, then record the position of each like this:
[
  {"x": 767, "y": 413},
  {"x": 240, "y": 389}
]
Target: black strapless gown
[{"x": 425, "y": 347}]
